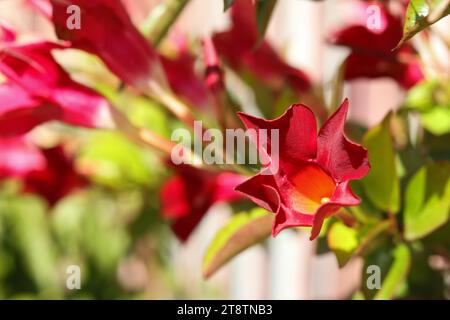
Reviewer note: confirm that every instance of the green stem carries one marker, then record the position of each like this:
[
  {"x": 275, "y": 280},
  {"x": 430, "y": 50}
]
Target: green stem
[{"x": 161, "y": 19}]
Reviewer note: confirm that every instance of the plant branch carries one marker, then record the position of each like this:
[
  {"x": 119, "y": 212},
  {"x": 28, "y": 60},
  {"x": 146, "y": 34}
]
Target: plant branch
[{"x": 159, "y": 21}]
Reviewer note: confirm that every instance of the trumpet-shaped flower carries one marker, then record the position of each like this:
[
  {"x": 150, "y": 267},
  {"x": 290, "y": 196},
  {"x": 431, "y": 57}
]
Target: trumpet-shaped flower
[
  {"x": 312, "y": 180},
  {"x": 40, "y": 90}
]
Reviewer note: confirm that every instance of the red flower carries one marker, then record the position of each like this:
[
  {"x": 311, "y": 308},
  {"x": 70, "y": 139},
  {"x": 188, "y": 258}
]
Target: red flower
[
  {"x": 57, "y": 179},
  {"x": 312, "y": 181},
  {"x": 19, "y": 112},
  {"x": 107, "y": 31},
  {"x": 241, "y": 49},
  {"x": 373, "y": 55},
  {"x": 47, "y": 172},
  {"x": 39, "y": 90},
  {"x": 188, "y": 195}
]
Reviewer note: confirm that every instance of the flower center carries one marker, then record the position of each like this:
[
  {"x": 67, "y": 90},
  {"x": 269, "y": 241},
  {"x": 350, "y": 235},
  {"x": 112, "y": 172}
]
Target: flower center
[
  {"x": 324, "y": 200},
  {"x": 312, "y": 187}
]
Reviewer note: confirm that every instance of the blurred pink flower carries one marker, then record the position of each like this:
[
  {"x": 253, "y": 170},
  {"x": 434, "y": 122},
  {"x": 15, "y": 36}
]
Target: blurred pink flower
[
  {"x": 20, "y": 112},
  {"x": 6, "y": 34},
  {"x": 18, "y": 157},
  {"x": 40, "y": 90},
  {"x": 372, "y": 51},
  {"x": 242, "y": 50},
  {"x": 108, "y": 32},
  {"x": 46, "y": 172}
]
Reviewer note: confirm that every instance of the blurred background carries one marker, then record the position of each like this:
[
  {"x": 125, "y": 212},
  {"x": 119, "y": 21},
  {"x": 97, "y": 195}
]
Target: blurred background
[{"x": 108, "y": 222}]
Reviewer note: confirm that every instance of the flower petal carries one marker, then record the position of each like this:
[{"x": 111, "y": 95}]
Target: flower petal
[
  {"x": 343, "y": 159},
  {"x": 18, "y": 157},
  {"x": 180, "y": 72},
  {"x": 372, "y": 54},
  {"x": 19, "y": 112},
  {"x": 83, "y": 107},
  {"x": 6, "y": 34},
  {"x": 51, "y": 93},
  {"x": 188, "y": 196},
  {"x": 107, "y": 31},
  {"x": 343, "y": 196},
  {"x": 226, "y": 182},
  {"x": 59, "y": 177},
  {"x": 261, "y": 190},
  {"x": 32, "y": 67},
  {"x": 242, "y": 49},
  {"x": 297, "y": 132},
  {"x": 173, "y": 198},
  {"x": 287, "y": 218}
]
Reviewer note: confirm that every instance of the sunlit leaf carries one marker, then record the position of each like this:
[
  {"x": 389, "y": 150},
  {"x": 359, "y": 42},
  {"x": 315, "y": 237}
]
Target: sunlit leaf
[
  {"x": 432, "y": 100},
  {"x": 427, "y": 200},
  {"x": 347, "y": 242},
  {"x": 437, "y": 120},
  {"x": 382, "y": 183},
  {"x": 385, "y": 271},
  {"x": 343, "y": 241},
  {"x": 111, "y": 159},
  {"x": 397, "y": 273},
  {"x": 420, "y": 14},
  {"x": 243, "y": 231}
]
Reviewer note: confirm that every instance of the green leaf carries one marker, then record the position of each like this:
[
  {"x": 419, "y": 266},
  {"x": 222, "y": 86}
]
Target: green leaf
[
  {"x": 114, "y": 161},
  {"x": 31, "y": 235},
  {"x": 420, "y": 14},
  {"x": 437, "y": 120},
  {"x": 242, "y": 231},
  {"x": 343, "y": 241},
  {"x": 397, "y": 273},
  {"x": 427, "y": 200},
  {"x": 146, "y": 114},
  {"x": 88, "y": 224},
  {"x": 382, "y": 183},
  {"x": 227, "y": 4},
  {"x": 421, "y": 97},
  {"x": 437, "y": 146},
  {"x": 264, "y": 9},
  {"x": 432, "y": 100},
  {"x": 348, "y": 242},
  {"x": 391, "y": 263}
]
